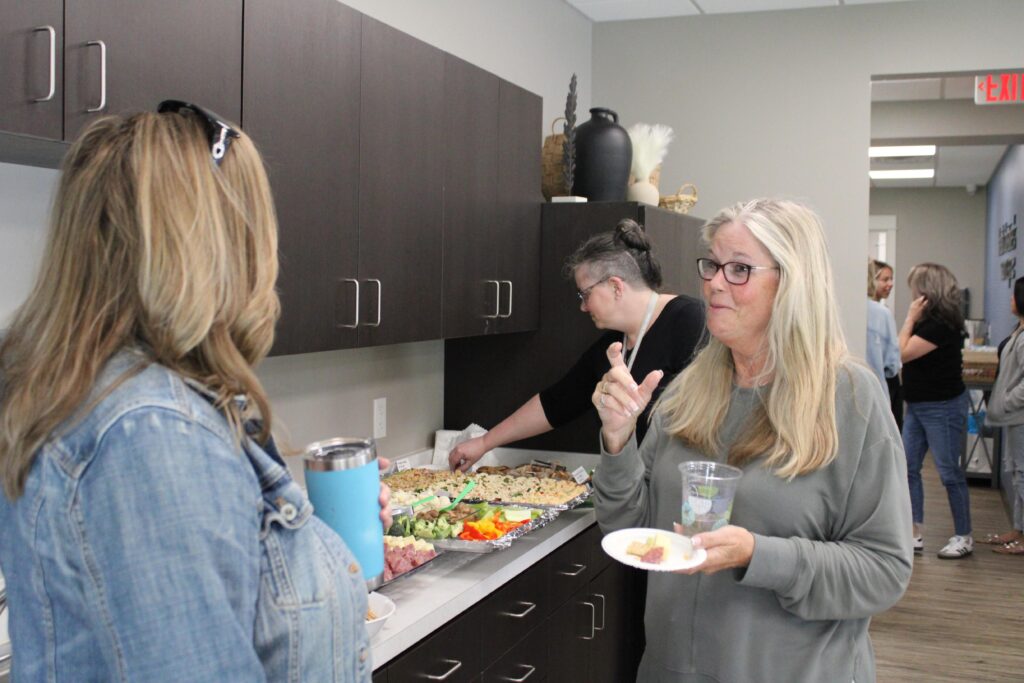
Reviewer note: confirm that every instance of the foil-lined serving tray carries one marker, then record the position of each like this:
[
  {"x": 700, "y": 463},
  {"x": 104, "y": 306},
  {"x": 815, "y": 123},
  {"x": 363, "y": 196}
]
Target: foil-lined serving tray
[{"x": 459, "y": 545}]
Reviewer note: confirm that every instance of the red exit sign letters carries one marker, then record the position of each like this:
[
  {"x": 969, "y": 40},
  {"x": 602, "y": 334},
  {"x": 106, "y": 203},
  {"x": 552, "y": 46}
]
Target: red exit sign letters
[{"x": 999, "y": 89}]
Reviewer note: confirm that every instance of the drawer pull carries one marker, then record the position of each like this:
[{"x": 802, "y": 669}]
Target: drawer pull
[
  {"x": 523, "y": 677},
  {"x": 103, "y": 75},
  {"x": 355, "y": 322},
  {"x": 507, "y": 314},
  {"x": 53, "y": 62},
  {"x": 456, "y": 665},
  {"x": 593, "y": 615},
  {"x": 580, "y": 568},
  {"x": 380, "y": 295},
  {"x": 497, "y": 299},
  {"x": 601, "y": 627},
  {"x": 530, "y": 606}
]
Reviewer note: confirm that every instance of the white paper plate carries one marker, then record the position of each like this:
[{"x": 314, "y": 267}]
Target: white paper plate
[{"x": 615, "y": 544}]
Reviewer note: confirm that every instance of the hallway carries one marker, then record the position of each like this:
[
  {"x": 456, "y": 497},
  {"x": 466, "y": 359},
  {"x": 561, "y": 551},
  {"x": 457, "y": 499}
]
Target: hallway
[{"x": 960, "y": 620}]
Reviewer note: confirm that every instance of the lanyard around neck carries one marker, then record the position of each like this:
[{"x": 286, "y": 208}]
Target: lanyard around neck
[{"x": 643, "y": 330}]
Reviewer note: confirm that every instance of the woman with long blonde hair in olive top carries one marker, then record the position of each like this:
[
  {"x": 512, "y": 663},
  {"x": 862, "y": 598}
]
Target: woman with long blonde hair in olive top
[
  {"x": 149, "y": 529},
  {"x": 931, "y": 346},
  {"x": 818, "y": 540}
]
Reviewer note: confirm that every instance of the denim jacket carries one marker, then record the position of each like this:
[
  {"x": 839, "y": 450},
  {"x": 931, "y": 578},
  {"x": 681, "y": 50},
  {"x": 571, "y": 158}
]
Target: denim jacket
[{"x": 149, "y": 546}]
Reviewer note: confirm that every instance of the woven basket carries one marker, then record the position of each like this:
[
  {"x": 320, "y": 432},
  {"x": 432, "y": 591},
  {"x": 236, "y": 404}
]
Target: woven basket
[
  {"x": 552, "y": 177},
  {"x": 680, "y": 202}
]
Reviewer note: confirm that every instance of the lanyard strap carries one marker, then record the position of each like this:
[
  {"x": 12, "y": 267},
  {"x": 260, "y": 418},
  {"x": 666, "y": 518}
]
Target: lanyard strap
[{"x": 643, "y": 330}]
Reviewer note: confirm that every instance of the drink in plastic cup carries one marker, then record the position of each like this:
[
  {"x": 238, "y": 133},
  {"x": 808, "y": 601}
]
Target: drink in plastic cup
[
  {"x": 708, "y": 491},
  {"x": 343, "y": 481}
]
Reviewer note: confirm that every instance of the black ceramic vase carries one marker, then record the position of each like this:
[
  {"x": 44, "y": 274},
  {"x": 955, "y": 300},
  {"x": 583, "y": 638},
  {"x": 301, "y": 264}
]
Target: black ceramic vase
[{"x": 603, "y": 157}]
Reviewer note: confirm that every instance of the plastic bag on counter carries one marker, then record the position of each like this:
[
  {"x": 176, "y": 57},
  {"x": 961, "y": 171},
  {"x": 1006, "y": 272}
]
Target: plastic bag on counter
[{"x": 447, "y": 439}]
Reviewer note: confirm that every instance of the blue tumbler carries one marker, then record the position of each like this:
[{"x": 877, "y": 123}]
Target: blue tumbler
[{"x": 343, "y": 481}]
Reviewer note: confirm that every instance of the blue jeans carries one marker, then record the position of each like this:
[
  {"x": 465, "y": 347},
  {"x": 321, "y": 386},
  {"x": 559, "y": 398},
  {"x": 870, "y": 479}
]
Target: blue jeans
[{"x": 938, "y": 425}]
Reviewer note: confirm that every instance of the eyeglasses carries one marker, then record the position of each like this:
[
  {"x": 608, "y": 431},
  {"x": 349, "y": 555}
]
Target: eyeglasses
[
  {"x": 218, "y": 131},
  {"x": 584, "y": 294},
  {"x": 736, "y": 273}
]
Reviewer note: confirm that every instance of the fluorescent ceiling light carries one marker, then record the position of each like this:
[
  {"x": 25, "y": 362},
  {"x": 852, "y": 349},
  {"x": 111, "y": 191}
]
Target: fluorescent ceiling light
[
  {"x": 902, "y": 151},
  {"x": 904, "y": 174}
]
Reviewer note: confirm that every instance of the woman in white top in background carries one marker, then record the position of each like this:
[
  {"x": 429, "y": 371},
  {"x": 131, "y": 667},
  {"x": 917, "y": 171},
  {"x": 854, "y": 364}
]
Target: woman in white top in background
[{"x": 883, "y": 349}]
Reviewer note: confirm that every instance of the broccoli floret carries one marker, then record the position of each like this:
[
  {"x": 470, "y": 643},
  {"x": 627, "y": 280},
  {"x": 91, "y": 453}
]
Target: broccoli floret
[
  {"x": 442, "y": 528},
  {"x": 424, "y": 529}
]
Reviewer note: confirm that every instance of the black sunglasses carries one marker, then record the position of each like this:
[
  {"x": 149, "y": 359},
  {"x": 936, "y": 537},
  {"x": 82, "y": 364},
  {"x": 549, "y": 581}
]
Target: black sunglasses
[{"x": 218, "y": 131}]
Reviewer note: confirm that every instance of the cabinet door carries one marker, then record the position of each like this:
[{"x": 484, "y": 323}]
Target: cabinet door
[
  {"x": 301, "y": 96},
  {"x": 572, "y": 630},
  {"x": 526, "y": 662},
  {"x": 152, "y": 50},
  {"x": 472, "y": 227},
  {"x": 618, "y": 641},
  {"x": 451, "y": 654},
  {"x": 513, "y": 611},
  {"x": 401, "y": 181},
  {"x": 519, "y": 205},
  {"x": 31, "y": 96}
]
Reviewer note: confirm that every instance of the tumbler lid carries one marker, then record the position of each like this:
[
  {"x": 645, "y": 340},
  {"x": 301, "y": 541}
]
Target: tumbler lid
[{"x": 341, "y": 453}]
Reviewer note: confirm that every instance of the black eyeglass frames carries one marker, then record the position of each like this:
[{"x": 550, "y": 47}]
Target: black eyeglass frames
[
  {"x": 584, "y": 293},
  {"x": 218, "y": 131},
  {"x": 735, "y": 273}
]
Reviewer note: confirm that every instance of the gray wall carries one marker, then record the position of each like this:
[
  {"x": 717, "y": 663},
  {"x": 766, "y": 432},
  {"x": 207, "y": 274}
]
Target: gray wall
[
  {"x": 941, "y": 225},
  {"x": 778, "y": 103},
  {"x": 1005, "y": 203},
  {"x": 536, "y": 44}
]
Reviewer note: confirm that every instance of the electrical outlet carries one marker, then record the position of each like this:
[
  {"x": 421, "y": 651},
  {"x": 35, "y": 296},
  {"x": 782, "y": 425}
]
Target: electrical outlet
[{"x": 380, "y": 418}]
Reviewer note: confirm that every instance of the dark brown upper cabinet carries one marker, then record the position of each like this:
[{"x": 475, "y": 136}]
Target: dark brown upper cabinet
[
  {"x": 519, "y": 206},
  {"x": 301, "y": 103},
  {"x": 472, "y": 232},
  {"x": 127, "y": 55},
  {"x": 491, "y": 203},
  {"x": 401, "y": 187},
  {"x": 32, "y": 67}
]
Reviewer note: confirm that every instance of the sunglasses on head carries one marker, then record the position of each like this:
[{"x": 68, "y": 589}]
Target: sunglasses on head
[{"x": 218, "y": 131}]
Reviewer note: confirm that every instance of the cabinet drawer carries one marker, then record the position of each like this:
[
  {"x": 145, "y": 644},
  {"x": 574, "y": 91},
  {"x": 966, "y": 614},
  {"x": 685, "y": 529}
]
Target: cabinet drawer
[
  {"x": 527, "y": 662},
  {"x": 452, "y": 654},
  {"x": 570, "y": 567},
  {"x": 513, "y": 611}
]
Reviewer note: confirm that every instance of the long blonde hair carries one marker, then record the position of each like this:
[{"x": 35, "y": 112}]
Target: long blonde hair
[
  {"x": 795, "y": 425},
  {"x": 150, "y": 246}
]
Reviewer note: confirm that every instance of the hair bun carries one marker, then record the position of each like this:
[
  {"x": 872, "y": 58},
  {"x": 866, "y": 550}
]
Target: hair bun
[{"x": 631, "y": 234}]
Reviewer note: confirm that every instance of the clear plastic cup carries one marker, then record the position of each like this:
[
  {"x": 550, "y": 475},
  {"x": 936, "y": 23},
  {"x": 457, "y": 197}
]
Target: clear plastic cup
[{"x": 708, "y": 492}]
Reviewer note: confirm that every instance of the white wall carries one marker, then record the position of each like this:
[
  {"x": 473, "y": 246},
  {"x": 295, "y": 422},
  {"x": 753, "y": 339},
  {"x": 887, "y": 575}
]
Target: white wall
[
  {"x": 536, "y": 44},
  {"x": 941, "y": 225},
  {"x": 778, "y": 103}
]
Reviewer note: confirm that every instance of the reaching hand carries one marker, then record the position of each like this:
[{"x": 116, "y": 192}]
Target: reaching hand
[
  {"x": 385, "y": 496},
  {"x": 467, "y": 453},
  {"x": 728, "y": 547},
  {"x": 619, "y": 400},
  {"x": 917, "y": 308}
]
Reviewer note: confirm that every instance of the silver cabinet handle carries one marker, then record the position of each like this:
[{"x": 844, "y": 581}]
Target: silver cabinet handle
[
  {"x": 508, "y": 313},
  {"x": 530, "y": 606},
  {"x": 497, "y": 299},
  {"x": 580, "y": 568},
  {"x": 53, "y": 62},
  {"x": 103, "y": 75},
  {"x": 355, "y": 323},
  {"x": 380, "y": 294},
  {"x": 456, "y": 665},
  {"x": 523, "y": 677},
  {"x": 593, "y": 614},
  {"x": 601, "y": 627}
]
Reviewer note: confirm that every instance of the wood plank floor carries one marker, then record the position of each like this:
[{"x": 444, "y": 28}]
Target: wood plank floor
[{"x": 960, "y": 620}]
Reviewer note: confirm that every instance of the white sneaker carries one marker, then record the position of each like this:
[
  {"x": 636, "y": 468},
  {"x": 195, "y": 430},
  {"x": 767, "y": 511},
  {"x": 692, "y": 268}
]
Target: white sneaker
[
  {"x": 918, "y": 544},
  {"x": 958, "y": 546}
]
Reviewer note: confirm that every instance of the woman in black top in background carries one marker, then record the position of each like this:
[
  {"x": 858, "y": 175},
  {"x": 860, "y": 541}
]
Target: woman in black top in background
[
  {"x": 617, "y": 280},
  {"x": 931, "y": 347}
]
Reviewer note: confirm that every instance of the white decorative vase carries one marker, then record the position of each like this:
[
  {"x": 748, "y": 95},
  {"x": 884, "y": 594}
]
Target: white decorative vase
[{"x": 644, "y": 192}]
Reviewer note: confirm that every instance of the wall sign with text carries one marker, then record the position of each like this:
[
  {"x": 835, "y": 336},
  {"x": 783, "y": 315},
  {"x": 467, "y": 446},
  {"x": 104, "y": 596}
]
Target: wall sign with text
[
  {"x": 999, "y": 88},
  {"x": 1007, "y": 244}
]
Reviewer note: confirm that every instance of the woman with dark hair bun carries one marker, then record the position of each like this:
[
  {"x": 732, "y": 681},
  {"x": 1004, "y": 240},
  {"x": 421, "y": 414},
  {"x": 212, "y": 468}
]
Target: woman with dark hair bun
[
  {"x": 1006, "y": 409},
  {"x": 617, "y": 282}
]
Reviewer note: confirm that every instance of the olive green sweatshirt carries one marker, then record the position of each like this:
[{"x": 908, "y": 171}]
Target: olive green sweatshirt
[{"x": 831, "y": 548}]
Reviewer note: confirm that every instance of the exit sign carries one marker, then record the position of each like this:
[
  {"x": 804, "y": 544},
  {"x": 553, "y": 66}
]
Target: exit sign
[{"x": 999, "y": 89}]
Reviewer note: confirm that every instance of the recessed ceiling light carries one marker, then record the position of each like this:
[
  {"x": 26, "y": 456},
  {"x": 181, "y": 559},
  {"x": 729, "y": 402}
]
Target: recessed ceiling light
[
  {"x": 904, "y": 174},
  {"x": 902, "y": 151}
]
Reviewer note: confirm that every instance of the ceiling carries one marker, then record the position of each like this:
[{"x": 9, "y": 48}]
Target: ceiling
[
  {"x": 965, "y": 166},
  {"x": 623, "y": 10}
]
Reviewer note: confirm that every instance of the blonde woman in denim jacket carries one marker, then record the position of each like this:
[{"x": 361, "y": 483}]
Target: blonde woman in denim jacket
[{"x": 149, "y": 529}]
